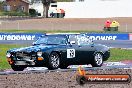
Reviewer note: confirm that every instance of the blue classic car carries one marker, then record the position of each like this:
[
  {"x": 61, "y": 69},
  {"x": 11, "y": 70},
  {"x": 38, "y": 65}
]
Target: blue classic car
[{"x": 58, "y": 51}]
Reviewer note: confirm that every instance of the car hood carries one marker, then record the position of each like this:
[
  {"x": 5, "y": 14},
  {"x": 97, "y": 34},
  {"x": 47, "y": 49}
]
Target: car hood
[{"x": 33, "y": 48}]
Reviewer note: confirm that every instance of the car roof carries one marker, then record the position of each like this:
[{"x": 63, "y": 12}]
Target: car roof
[
  {"x": 59, "y": 35},
  {"x": 55, "y": 35}
]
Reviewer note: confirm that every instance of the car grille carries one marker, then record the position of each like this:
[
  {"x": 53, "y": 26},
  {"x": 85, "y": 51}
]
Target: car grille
[{"x": 25, "y": 56}]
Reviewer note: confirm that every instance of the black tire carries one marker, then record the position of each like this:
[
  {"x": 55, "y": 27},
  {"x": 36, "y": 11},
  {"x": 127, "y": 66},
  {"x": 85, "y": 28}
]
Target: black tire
[
  {"x": 17, "y": 68},
  {"x": 54, "y": 61},
  {"x": 97, "y": 60},
  {"x": 81, "y": 80}
]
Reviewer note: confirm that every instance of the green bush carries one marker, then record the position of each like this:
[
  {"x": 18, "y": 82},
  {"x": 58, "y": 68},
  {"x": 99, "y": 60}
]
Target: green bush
[
  {"x": 13, "y": 13},
  {"x": 32, "y": 12},
  {"x": 1, "y": 13}
]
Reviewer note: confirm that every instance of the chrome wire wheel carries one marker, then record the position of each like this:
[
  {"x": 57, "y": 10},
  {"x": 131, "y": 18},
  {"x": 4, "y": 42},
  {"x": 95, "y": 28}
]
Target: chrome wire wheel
[
  {"x": 98, "y": 59},
  {"x": 54, "y": 61}
]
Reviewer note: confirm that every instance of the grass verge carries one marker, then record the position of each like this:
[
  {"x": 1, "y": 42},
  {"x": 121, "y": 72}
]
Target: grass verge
[{"x": 120, "y": 54}]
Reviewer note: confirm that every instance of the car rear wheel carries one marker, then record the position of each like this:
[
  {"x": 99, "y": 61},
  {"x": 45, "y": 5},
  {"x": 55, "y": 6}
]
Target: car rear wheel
[
  {"x": 17, "y": 68},
  {"x": 54, "y": 61},
  {"x": 98, "y": 60}
]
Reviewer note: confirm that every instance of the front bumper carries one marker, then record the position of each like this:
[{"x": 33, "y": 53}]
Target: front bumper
[
  {"x": 28, "y": 62},
  {"x": 31, "y": 62},
  {"x": 24, "y": 58}
]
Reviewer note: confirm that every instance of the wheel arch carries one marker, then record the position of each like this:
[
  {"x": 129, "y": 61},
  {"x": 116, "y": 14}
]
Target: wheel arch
[{"x": 59, "y": 53}]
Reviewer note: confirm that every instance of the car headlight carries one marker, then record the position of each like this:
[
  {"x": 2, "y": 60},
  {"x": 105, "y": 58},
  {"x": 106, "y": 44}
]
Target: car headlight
[
  {"x": 8, "y": 55},
  {"x": 39, "y": 54}
]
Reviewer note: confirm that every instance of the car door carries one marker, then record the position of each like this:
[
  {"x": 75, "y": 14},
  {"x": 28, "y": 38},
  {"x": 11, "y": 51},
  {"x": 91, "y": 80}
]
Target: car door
[
  {"x": 73, "y": 54},
  {"x": 81, "y": 52},
  {"x": 86, "y": 53},
  {"x": 86, "y": 48}
]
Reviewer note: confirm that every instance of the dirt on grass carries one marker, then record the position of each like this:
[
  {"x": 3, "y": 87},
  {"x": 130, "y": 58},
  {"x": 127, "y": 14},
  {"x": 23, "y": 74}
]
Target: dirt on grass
[{"x": 59, "y": 80}]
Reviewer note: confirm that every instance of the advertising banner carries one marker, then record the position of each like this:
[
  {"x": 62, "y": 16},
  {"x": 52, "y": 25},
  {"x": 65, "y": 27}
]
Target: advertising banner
[
  {"x": 19, "y": 36},
  {"x": 109, "y": 36}
]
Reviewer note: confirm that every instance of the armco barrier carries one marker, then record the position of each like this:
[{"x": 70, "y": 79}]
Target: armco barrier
[
  {"x": 19, "y": 36},
  {"x": 109, "y": 36}
]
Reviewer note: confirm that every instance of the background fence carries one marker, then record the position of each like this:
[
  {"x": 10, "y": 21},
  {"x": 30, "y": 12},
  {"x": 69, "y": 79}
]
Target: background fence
[{"x": 58, "y": 25}]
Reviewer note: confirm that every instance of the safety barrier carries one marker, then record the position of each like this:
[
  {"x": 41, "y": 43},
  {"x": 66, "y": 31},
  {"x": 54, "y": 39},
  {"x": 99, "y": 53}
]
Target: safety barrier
[
  {"x": 23, "y": 37},
  {"x": 109, "y": 36}
]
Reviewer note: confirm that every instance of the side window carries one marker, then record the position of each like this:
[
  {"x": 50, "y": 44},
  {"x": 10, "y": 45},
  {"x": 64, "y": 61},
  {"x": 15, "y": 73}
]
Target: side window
[
  {"x": 81, "y": 0},
  {"x": 83, "y": 40},
  {"x": 63, "y": 41},
  {"x": 7, "y": 8},
  {"x": 53, "y": 5},
  {"x": 23, "y": 8},
  {"x": 73, "y": 38}
]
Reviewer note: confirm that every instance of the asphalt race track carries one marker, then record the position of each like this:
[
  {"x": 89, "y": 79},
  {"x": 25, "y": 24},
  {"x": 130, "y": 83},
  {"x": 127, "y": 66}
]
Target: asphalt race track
[{"x": 116, "y": 43}]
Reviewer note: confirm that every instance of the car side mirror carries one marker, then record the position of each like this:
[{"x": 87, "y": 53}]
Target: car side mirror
[{"x": 72, "y": 42}]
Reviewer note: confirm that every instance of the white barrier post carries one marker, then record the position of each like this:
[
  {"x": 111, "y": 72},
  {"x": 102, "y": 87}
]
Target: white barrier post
[
  {"x": 52, "y": 26},
  {"x": 70, "y": 27},
  {"x": 126, "y": 27},
  {"x": 0, "y": 25},
  {"x": 18, "y": 26}
]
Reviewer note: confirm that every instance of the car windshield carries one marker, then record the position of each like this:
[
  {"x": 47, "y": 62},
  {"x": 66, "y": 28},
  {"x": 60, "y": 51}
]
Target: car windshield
[{"x": 51, "y": 40}]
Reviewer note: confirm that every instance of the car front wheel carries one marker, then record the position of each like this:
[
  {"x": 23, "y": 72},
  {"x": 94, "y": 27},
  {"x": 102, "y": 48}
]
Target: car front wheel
[
  {"x": 54, "y": 61},
  {"x": 97, "y": 60}
]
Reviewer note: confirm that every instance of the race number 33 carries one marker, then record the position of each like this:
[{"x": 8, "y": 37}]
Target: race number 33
[{"x": 70, "y": 53}]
